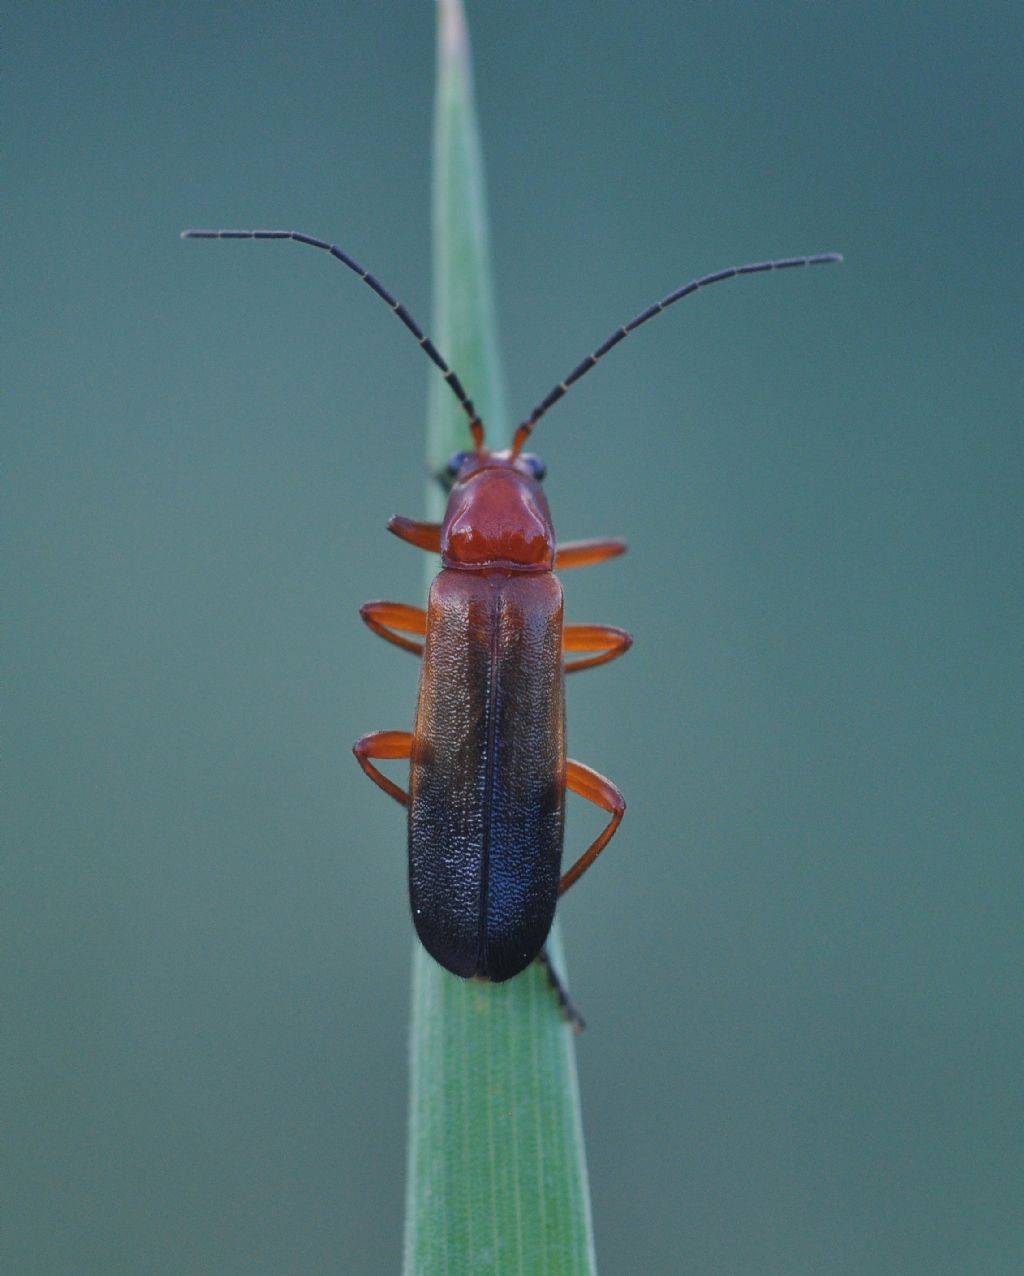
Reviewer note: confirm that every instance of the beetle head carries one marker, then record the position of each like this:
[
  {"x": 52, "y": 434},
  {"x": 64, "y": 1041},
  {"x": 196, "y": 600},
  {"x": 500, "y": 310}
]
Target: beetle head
[{"x": 497, "y": 514}]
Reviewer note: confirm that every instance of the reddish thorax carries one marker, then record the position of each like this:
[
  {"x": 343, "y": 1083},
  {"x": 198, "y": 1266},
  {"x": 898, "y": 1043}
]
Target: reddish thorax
[{"x": 497, "y": 517}]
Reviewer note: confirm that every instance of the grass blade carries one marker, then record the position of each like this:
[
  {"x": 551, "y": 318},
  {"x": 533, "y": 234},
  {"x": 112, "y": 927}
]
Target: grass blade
[
  {"x": 464, "y": 324},
  {"x": 497, "y": 1179}
]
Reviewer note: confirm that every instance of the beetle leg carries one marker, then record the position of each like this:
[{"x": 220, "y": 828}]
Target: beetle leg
[
  {"x": 595, "y": 788},
  {"x": 384, "y": 744},
  {"x": 384, "y": 618},
  {"x": 583, "y": 553},
  {"x": 608, "y": 641},
  {"x": 422, "y": 535},
  {"x": 573, "y": 1016}
]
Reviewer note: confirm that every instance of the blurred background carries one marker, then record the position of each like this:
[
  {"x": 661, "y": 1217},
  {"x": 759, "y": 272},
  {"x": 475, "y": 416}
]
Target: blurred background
[{"x": 801, "y": 959}]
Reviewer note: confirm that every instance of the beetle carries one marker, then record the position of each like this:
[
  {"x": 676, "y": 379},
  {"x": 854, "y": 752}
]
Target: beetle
[{"x": 488, "y": 767}]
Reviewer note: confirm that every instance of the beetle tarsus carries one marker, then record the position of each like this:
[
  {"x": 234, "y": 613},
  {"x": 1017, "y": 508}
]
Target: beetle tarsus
[{"x": 572, "y": 1015}]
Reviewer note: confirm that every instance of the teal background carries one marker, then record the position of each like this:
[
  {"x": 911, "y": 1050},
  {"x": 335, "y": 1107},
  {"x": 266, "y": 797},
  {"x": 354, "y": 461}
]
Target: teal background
[{"x": 801, "y": 959}]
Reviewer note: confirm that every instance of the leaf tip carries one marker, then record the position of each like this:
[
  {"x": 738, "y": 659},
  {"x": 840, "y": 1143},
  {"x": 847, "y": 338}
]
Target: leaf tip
[{"x": 452, "y": 34}]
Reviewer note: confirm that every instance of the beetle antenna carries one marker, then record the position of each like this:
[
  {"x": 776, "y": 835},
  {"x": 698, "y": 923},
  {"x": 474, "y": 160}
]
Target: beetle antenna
[
  {"x": 476, "y": 426},
  {"x": 523, "y": 433}
]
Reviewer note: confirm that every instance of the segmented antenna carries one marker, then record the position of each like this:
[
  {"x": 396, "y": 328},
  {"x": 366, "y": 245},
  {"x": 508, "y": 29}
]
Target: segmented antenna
[
  {"x": 476, "y": 426},
  {"x": 523, "y": 432}
]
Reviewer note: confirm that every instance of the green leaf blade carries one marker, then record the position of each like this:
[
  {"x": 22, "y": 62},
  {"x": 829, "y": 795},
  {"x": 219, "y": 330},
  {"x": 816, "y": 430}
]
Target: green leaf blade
[
  {"x": 497, "y": 1179},
  {"x": 464, "y": 317}
]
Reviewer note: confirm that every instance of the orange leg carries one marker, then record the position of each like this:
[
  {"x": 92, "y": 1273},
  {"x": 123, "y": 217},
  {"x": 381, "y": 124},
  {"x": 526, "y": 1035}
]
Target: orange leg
[
  {"x": 595, "y": 788},
  {"x": 422, "y": 535},
  {"x": 608, "y": 641},
  {"x": 384, "y": 744},
  {"x": 583, "y": 553},
  {"x": 384, "y": 618}
]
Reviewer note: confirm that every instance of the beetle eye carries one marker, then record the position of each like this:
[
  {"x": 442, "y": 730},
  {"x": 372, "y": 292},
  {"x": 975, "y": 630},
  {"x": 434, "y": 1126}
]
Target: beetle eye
[
  {"x": 537, "y": 467},
  {"x": 456, "y": 462}
]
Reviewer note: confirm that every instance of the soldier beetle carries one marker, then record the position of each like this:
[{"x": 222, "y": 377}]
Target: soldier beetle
[{"x": 488, "y": 768}]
